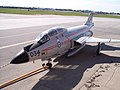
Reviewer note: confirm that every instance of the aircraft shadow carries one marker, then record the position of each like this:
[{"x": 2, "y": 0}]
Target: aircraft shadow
[
  {"x": 69, "y": 71},
  {"x": 109, "y": 48}
]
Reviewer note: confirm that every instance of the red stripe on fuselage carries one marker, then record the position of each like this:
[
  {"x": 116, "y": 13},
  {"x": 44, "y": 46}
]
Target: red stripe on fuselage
[{"x": 56, "y": 45}]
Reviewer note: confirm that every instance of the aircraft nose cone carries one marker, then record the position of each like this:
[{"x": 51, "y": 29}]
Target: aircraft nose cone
[{"x": 21, "y": 58}]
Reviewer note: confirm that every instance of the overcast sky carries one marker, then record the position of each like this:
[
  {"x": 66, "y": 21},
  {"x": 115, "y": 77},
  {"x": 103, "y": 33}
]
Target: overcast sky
[{"x": 96, "y": 5}]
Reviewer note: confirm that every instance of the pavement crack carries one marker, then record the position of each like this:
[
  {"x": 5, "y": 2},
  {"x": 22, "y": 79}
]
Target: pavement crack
[
  {"x": 4, "y": 65},
  {"x": 111, "y": 76}
]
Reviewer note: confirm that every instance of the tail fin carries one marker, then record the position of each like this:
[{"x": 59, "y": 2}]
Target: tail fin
[{"x": 90, "y": 19}]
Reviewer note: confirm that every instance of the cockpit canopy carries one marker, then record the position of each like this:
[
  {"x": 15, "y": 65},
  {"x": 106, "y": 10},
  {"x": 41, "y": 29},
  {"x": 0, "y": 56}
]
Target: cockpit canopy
[
  {"x": 46, "y": 35},
  {"x": 56, "y": 31}
]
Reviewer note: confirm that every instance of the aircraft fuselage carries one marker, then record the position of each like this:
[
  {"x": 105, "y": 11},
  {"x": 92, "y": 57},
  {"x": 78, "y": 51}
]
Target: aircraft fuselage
[{"x": 60, "y": 43}]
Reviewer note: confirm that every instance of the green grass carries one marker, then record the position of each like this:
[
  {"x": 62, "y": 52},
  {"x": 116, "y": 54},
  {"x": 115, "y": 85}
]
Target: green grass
[
  {"x": 43, "y": 12},
  {"x": 107, "y": 16},
  {"x": 50, "y": 12}
]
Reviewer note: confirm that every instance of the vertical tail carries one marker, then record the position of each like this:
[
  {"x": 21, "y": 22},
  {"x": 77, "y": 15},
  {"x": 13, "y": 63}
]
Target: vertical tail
[{"x": 90, "y": 19}]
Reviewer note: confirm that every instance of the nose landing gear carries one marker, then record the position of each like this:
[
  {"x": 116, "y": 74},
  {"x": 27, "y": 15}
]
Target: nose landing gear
[{"x": 49, "y": 65}]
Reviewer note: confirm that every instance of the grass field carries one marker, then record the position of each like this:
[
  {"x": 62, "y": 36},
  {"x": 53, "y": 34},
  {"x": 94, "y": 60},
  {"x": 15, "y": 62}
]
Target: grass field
[{"x": 50, "y": 12}]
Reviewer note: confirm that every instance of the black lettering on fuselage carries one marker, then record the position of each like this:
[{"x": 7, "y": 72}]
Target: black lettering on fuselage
[{"x": 35, "y": 53}]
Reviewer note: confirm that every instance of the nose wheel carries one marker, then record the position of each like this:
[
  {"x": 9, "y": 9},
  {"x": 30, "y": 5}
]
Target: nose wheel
[
  {"x": 43, "y": 65},
  {"x": 49, "y": 65}
]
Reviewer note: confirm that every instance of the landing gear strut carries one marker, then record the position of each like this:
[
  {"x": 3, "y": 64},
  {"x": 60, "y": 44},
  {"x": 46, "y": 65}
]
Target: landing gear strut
[
  {"x": 49, "y": 65},
  {"x": 98, "y": 49}
]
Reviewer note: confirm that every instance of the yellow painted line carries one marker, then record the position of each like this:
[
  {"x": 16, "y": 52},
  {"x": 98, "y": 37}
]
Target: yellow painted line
[{"x": 22, "y": 77}]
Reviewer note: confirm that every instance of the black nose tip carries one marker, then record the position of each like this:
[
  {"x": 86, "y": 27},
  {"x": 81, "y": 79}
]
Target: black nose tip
[{"x": 21, "y": 58}]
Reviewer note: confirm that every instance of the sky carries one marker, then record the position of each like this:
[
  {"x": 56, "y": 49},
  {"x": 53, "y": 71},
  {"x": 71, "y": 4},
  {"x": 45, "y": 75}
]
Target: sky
[{"x": 94, "y": 5}]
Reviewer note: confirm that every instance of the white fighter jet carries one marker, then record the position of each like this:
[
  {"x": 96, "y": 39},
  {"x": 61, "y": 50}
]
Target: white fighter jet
[{"x": 58, "y": 41}]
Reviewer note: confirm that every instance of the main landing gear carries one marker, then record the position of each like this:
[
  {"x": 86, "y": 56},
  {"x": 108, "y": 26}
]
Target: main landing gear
[
  {"x": 98, "y": 49},
  {"x": 49, "y": 65}
]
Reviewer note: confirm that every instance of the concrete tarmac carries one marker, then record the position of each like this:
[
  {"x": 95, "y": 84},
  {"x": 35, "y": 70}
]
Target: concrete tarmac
[{"x": 84, "y": 71}]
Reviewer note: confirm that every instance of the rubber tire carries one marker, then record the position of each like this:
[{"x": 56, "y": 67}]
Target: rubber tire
[
  {"x": 43, "y": 64},
  {"x": 49, "y": 65}
]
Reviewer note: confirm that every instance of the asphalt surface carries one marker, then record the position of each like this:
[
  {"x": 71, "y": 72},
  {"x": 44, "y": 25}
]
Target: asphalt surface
[{"x": 17, "y": 31}]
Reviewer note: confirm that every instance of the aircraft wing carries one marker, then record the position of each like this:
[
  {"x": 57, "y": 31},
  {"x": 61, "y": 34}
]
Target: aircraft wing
[
  {"x": 96, "y": 40},
  {"x": 93, "y": 39}
]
